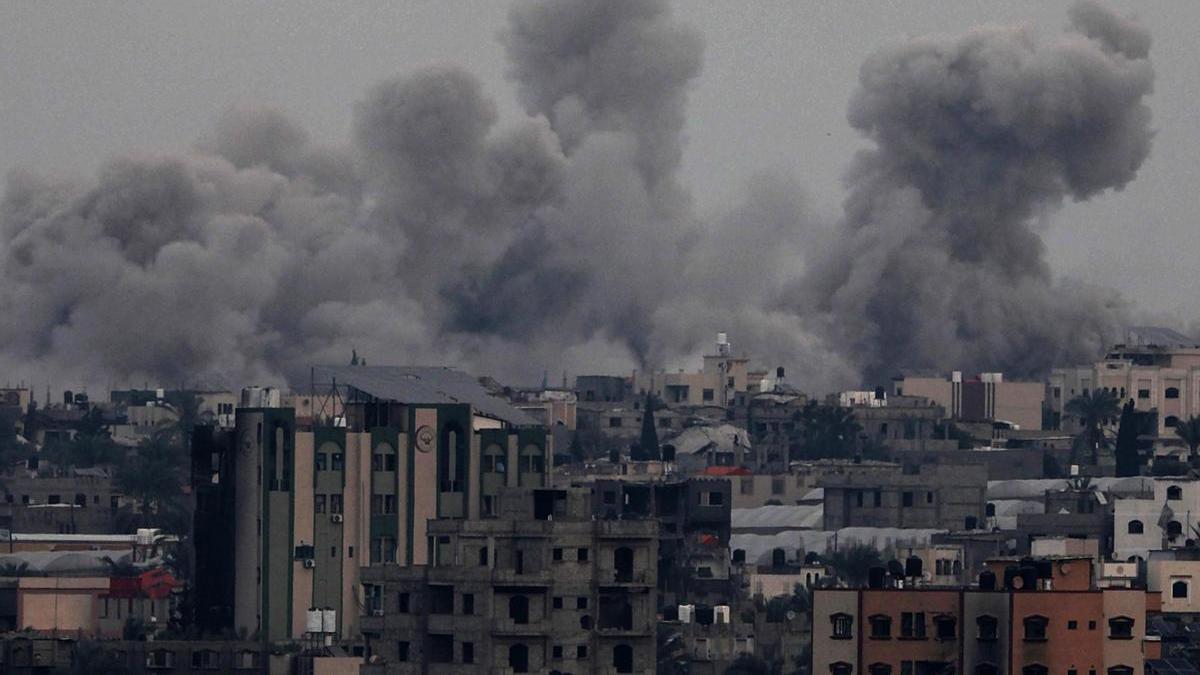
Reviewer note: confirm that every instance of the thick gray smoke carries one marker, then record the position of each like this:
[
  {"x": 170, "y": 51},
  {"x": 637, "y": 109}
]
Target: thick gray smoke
[
  {"x": 564, "y": 239},
  {"x": 939, "y": 260}
]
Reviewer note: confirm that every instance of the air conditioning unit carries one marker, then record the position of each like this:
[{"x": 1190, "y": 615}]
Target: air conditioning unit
[
  {"x": 336, "y": 518},
  {"x": 309, "y": 563}
]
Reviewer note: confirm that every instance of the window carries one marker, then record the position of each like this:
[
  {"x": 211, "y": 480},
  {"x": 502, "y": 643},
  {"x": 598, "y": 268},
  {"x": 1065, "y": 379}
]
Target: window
[
  {"x": 614, "y": 422},
  {"x": 842, "y": 626},
  {"x": 404, "y": 602},
  {"x": 319, "y": 461},
  {"x": 160, "y": 659},
  {"x": 986, "y": 669},
  {"x": 1072, "y": 625},
  {"x": 776, "y": 486},
  {"x": 944, "y": 627},
  {"x": 557, "y": 652},
  {"x": 468, "y": 604},
  {"x": 335, "y": 503},
  {"x": 441, "y": 648},
  {"x": 878, "y": 498},
  {"x": 1143, "y": 393},
  {"x": 468, "y": 652},
  {"x": 1172, "y": 392},
  {"x": 319, "y": 503},
  {"x": 1171, "y": 421},
  {"x": 558, "y": 602},
  {"x": 1135, "y": 527},
  {"x": 840, "y": 668},
  {"x": 711, "y": 498},
  {"x": 1035, "y": 669},
  {"x": 1179, "y": 589},
  {"x": 1035, "y": 627},
  {"x": 879, "y": 669},
  {"x": 1120, "y": 628},
  {"x": 1174, "y": 529},
  {"x": 558, "y": 553},
  {"x": 483, "y": 556},
  {"x": 1091, "y": 625},
  {"x": 707, "y": 394},
  {"x": 747, "y": 486},
  {"x": 912, "y": 625},
  {"x": 402, "y": 650},
  {"x": 881, "y": 627},
  {"x": 581, "y": 555},
  {"x": 206, "y": 659},
  {"x": 377, "y": 461},
  {"x": 1120, "y": 670},
  {"x": 1174, "y": 493},
  {"x": 908, "y": 499},
  {"x": 581, "y": 652},
  {"x": 337, "y": 461},
  {"x": 858, "y": 497},
  {"x": 581, "y": 602}
]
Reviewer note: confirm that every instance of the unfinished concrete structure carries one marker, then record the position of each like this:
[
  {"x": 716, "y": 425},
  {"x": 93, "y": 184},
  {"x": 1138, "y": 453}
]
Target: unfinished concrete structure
[
  {"x": 543, "y": 587},
  {"x": 941, "y": 496}
]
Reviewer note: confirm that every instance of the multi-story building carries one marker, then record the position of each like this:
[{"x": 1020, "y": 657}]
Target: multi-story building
[
  {"x": 1043, "y": 618},
  {"x": 940, "y": 496},
  {"x": 313, "y": 505},
  {"x": 986, "y": 397},
  {"x": 543, "y": 587},
  {"x": 722, "y": 376},
  {"x": 1158, "y": 370},
  {"x": 1161, "y": 518}
]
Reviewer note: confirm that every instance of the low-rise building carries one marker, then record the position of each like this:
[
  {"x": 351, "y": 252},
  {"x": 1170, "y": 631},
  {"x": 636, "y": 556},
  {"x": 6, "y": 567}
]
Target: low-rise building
[{"x": 939, "y": 496}]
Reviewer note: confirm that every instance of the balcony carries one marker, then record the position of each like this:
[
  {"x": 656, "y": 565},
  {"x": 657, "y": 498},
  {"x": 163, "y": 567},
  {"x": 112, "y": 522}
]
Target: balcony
[
  {"x": 612, "y": 578},
  {"x": 508, "y": 627},
  {"x": 510, "y": 577}
]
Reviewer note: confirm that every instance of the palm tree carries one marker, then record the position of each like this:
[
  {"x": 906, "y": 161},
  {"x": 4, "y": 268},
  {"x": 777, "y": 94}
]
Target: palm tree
[
  {"x": 853, "y": 563},
  {"x": 824, "y": 431},
  {"x": 1095, "y": 410},
  {"x": 648, "y": 441},
  {"x": 10, "y": 569},
  {"x": 153, "y": 473},
  {"x": 1188, "y": 431}
]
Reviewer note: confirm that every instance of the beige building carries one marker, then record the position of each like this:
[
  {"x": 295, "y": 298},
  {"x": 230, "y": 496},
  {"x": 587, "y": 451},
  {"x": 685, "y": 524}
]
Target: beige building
[
  {"x": 985, "y": 397},
  {"x": 315, "y": 504},
  {"x": 1165, "y": 379},
  {"x": 715, "y": 384}
]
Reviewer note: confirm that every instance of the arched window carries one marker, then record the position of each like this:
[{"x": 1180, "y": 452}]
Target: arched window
[
  {"x": 1035, "y": 628},
  {"x": 1174, "y": 493},
  {"x": 1035, "y": 669},
  {"x": 1172, "y": 392},
  {"x": 518, "y": 658},
  {"x": 1179, "y": 589},
  {"x": 879, "y": 669},
  {"x": 990, "y": 510},
  {"x": 622, "y": 658},
  {"x": 986, "y": 669},
  {"x": 493, "y": 459},
  {"x": 1120, "y": 628},
  {"x": 1174, "y": 529},
  {"x": 840, "y": 668},
  {"x": 1171, "y": 421},
  {"x": 843, "y": 625},
  {"x": 881, "y": 626},
  {"x": 1135, "y": 527},
  {"x": 1120, "y": 670},
  {"x": 518, "y": 609}
]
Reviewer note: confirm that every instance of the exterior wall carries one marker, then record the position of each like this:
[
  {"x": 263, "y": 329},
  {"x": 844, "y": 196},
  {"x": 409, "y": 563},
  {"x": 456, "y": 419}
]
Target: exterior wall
[
  {"x": 59, "y": 603},
  {"x": 1124, "y": 651},
  {"x": 758, "y": 489},
  {"x": 942, "y": 497},
  {"x": 1148, "y": 512},
  {"x": 1064, "y": 648},
  {"x": 826, "y": 650},
  {"x": 991, "y": 604},
  {"x": 896, "y": 649},
  {"x": 1162, "y": 577}
]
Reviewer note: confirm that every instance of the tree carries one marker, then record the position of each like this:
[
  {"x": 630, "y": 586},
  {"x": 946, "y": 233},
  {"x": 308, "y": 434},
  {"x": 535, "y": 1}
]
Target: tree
[
  {"x": 853, "y": 563},
  {"x": 1094, "y": 410},
  {"x": 824, "y": 431},
  {"x": 186, "y": 405},
  {"x": 89, "y": 657},
  {"x": 1188, "y": 431},
  {"x": 153, "y": 474},
  {"x": 1127, "y": 454},
  {"x": 648, "y": 441}
]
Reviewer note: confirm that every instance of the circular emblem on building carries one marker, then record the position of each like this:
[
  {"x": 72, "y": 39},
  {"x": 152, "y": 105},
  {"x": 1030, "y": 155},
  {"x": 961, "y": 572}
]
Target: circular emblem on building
[{"x": 424, "y": 438}]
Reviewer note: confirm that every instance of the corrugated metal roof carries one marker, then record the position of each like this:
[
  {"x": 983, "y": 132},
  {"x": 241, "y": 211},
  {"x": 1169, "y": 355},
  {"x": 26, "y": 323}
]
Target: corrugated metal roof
[{"x": 421, "y": 384}]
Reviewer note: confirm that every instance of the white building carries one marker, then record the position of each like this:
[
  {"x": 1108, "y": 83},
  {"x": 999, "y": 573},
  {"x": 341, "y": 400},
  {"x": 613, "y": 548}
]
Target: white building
[{"x": 1163, "y": 520}]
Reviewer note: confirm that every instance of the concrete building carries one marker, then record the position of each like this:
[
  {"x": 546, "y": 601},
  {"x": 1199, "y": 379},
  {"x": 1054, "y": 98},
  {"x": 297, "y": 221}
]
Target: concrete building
[
  {"x": 1162, "y": 517},
  {"x": 715, "y": 384},
  {"x": 940, "y": 496},
  {"x": 33, "y": 653},
  {"x": 312, "y": 506},
  {"x": 1023, "y": 627},
  {"x": 1158, "y": 370},
  {"x": 985, "y": 397},
  {"x": 542, "y": 587}
]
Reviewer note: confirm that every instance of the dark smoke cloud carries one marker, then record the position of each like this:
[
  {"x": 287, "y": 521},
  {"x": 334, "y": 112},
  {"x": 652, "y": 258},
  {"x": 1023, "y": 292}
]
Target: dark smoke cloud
[
  {"x": 939, "y": 260},
  {"x": 565, "y": 239}
]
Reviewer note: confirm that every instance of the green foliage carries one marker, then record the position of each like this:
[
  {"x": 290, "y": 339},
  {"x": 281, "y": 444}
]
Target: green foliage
[
  {"x": 824, "y": 431},
  {"x": 853, "y": 563},
  {"x": 91, "y": 446},
  {"x": 153, "y": 474},
  {"x": 1188, "y": 431},
  {"x": 1094, "y": 410},
  {"x": 648, "y": 440}
]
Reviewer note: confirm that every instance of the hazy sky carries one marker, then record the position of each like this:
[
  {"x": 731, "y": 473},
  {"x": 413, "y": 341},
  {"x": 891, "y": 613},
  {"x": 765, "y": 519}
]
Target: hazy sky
[{"x": 84, "y": 82}]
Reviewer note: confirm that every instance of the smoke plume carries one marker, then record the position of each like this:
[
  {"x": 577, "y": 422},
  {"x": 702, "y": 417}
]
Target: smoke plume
[{"x": 565, "y": 239}]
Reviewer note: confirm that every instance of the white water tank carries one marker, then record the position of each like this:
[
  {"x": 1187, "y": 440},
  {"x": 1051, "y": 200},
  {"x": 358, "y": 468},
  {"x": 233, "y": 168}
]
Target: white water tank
[
  {"x": 328, "y": 621},
  {"x": 687, "y": 613},
  {"x": 312, "y": 621}
]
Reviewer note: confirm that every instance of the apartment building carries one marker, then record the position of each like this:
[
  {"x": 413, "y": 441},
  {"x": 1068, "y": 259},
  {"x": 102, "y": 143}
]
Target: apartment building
[
  {"x": 1163, "y": 377},
  {"x": 984, "y": 397},
  {"x": 723, "y": 375},
  {"x": 1043, "y": 618},
  {"x": 951, "y": 497},
  {"x": 1162, "y": 517},
  {"x": 543, "y": 587},
  {"x": 311, "y": 506}
]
